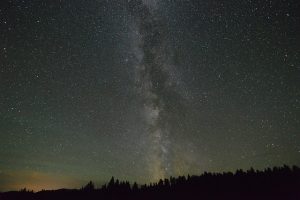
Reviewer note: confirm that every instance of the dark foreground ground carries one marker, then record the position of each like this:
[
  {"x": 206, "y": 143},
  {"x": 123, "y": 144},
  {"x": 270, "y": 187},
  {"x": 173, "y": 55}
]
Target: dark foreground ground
[{"x": 277, "y": 183}]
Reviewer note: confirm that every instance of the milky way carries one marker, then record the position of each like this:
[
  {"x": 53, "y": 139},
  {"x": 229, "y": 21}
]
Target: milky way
[{"x": 153, "y": 73}]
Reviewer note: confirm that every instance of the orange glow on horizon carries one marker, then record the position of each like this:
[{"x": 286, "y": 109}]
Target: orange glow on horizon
[{"x": 36, "y": 181}]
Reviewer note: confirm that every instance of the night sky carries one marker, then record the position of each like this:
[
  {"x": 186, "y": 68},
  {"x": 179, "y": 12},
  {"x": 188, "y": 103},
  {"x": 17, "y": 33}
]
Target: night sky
[{"x": 146, "y": 89}]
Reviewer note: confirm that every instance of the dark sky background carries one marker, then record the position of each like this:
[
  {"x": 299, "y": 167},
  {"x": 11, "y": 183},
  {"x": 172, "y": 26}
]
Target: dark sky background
[{"x": 146, "y": 89}]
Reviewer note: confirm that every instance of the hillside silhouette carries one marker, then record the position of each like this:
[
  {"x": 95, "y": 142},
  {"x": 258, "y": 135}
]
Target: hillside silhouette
[{"x": 276, "y": 183}]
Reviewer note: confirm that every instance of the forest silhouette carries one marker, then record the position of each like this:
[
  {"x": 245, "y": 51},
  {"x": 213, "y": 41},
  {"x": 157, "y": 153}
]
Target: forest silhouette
[{"x": 276, "y": 183}]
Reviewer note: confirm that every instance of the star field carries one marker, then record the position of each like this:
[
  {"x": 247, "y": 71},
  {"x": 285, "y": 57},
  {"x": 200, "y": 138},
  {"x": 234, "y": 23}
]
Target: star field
[{"x": 146, "y": 89}]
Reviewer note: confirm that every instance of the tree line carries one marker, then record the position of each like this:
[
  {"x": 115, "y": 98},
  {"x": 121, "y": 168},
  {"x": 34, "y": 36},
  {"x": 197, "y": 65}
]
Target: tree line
[{"x": 276, "y": 183}]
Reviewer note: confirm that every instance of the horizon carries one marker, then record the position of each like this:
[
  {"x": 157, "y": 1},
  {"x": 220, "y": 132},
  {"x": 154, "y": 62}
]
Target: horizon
[{"x": 101, "y": 185}]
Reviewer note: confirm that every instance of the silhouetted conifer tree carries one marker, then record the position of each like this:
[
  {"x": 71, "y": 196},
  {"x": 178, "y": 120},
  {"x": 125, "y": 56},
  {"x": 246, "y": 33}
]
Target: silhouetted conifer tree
[
  {"x": 89, "y": 187},
  {"x": 135, "y": 187}
]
